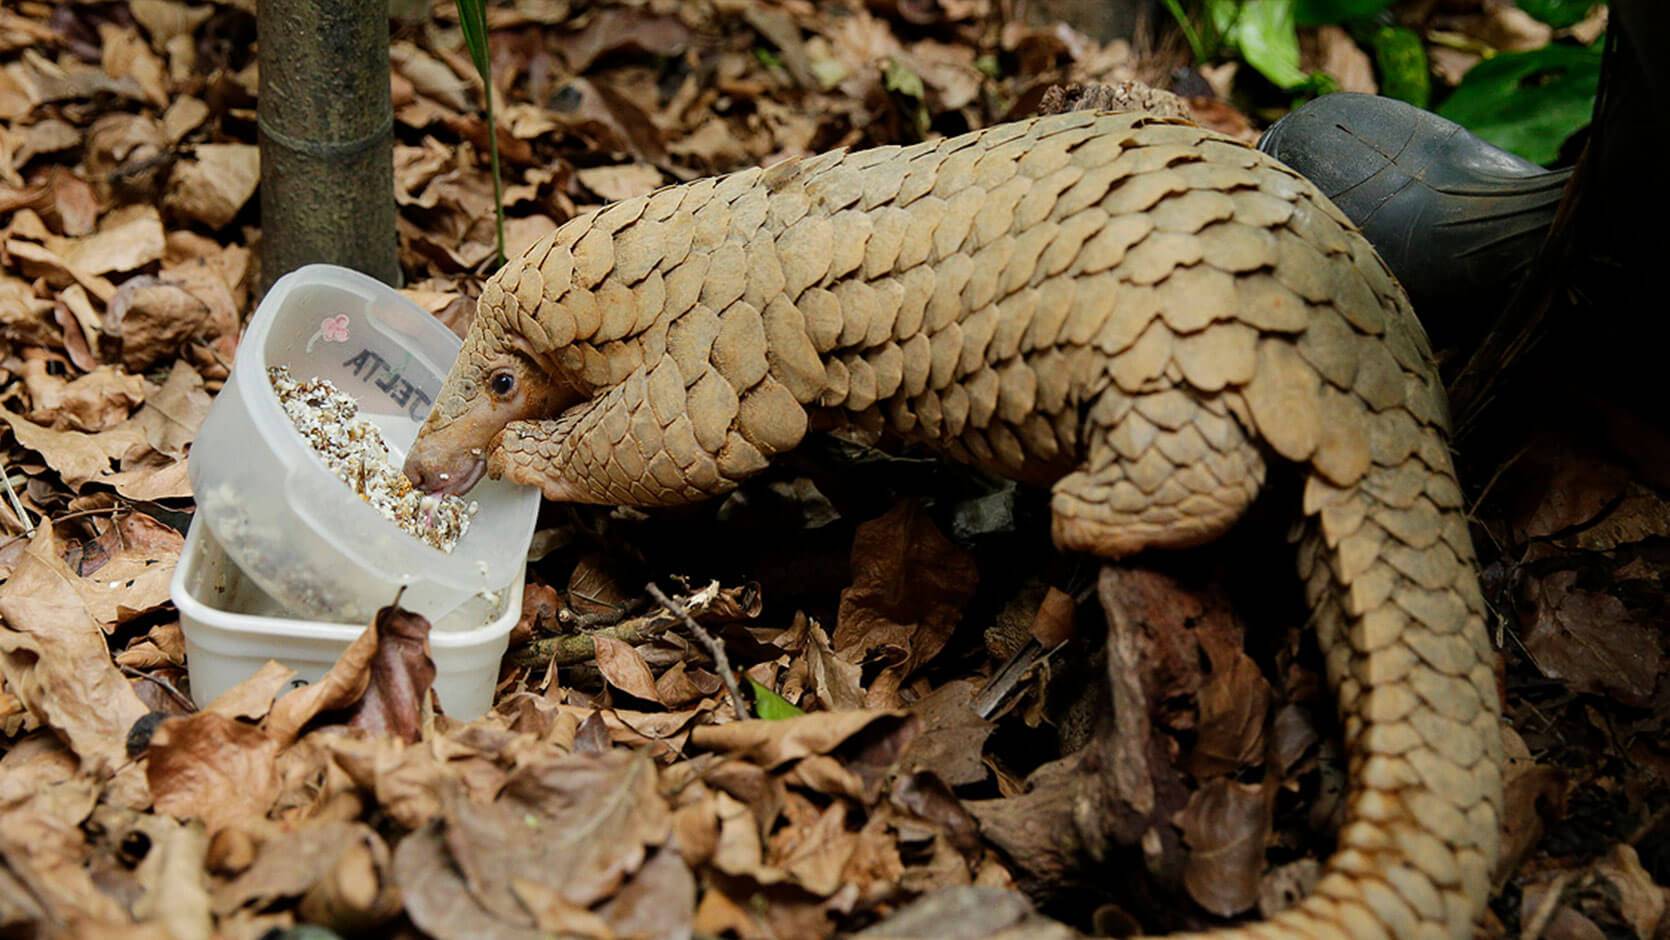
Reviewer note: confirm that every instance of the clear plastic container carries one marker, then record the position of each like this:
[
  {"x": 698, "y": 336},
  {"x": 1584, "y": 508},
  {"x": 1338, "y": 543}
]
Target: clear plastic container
[
  {"x": 232, "y": 628},
  {"x": 299, "y": 533}
]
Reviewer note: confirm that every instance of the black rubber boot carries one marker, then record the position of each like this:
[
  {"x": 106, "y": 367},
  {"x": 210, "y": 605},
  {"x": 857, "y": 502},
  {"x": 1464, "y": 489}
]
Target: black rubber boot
[{"x": 1457, "y": 219}]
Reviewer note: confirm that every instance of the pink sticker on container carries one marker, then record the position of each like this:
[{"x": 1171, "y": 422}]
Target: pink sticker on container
[{"x": 331, "y": 330}]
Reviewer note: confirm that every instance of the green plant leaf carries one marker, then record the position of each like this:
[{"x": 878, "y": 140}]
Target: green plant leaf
[
  {"x": 472, "y": 17},
  {"x": 1528, "y": 102},
  {"x": 769, "y": 705},
  {"x": 1558, "y": 13},
  {"x": 1266, "y": 35},
  {"x": 1325, "y": 12},
  {"x": 1404, "y": 71}
]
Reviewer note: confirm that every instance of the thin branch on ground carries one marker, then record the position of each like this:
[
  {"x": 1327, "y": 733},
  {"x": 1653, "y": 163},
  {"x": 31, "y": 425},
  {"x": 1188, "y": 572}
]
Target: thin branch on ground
[{"x": 714, "y": 648}]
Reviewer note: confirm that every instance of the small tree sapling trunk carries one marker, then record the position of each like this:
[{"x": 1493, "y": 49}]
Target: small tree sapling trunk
[{"x": 327, "y": 137}]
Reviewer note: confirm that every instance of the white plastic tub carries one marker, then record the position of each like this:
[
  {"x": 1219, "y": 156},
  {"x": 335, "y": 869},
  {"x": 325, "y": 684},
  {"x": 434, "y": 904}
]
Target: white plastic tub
[
  {"x": 232, "y": 628},
  {"x": 297, "y": 531}
]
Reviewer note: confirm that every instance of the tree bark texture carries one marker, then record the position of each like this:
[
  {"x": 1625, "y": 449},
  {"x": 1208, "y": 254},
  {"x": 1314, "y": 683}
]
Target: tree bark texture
[{"x": 327, "y": 137}]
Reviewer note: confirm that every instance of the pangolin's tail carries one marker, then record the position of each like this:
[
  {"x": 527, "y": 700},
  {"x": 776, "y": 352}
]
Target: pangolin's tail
[{"x": 1388, "y": 570}]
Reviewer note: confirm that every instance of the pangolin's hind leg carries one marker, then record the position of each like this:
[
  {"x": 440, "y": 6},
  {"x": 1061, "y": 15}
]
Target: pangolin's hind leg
[{"x": 1168, "y": 469}]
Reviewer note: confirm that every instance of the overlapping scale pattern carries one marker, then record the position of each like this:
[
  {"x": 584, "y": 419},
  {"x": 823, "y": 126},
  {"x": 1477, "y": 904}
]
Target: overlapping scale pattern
[{"x": 1133, "y": 309}]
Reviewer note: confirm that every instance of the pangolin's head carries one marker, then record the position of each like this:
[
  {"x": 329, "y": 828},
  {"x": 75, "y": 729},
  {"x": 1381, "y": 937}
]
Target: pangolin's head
[{"x": 500, "y": 376}]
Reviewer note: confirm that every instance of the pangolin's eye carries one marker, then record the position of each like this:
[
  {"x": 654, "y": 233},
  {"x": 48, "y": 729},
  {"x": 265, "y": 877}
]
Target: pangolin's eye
[{"x": 502, "y": 383}]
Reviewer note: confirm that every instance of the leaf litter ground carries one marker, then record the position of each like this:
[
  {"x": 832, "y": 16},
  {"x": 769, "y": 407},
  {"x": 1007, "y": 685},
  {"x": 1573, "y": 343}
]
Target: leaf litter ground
[{"x": 957, "y": 698}]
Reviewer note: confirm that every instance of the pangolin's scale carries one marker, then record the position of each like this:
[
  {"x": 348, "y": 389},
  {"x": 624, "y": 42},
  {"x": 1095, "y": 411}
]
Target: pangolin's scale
[{"x": 1134, "y": 310}]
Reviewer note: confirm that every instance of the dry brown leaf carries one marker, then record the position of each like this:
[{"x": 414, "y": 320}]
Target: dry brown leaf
[
  {"x": 163, "y": 646},
  {"x": 253, "y": 697},
  {"x": 909, "y": 586},
  {"x": 126, "y": 56},
  {"x": 339, "y": 869},
  {"x": 178, "y": 899},
  {"x": 1529, "y": 791},
  {"x": 341, "y": 686},
  {"x": 129, "y": 238},
  {"x": 127, "y": 570},
  {"x": 578, "y": 824},
  {"x": 1339, "y": 57},
  {"x": 1225, "y": 825},
  {"x": 213, "y": 768},
  {"x": 437, "y": 899},
  {"x": 213, "y": 187},
  {"x": 154, "y": 316},
  {"x": 401, "y": 675},
  {"x": 97, "y": 401},
  {"x": 74, "y": 206},
  {"x": 616, "y": 29},
  {"x": 431, "y": 77},
  {"x": 171, "y": 416},
  {"x": 166, "y": 19},
  {"x": 771, "y": 744},
  {"x": 834, "y": 680},
  {"x": 614, "y": 183},
  {"x": 54, "y": 658},
  {"x": 151, "y": 476},
  {"x": 1591, "y": 640},
  {"x": 953, "y": 735},
  {"x": 658, "y": 903},
  {"x": 624, "y": 669},
  {"x": 1234, "y": 701},
  {"x": 77, "y": 457}
]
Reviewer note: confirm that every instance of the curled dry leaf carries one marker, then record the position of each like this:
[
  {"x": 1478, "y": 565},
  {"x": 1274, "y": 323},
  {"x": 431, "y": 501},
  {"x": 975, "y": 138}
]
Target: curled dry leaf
[
  {"x": 97, "y": 401},
  {"x": 78, "y": 458},
  {"x": 341, "y": 686},
  {"x": 401, "y": 675},
  {"x": 172, "y": 415},
  {"x": 54, "y": 658},
  {"x": 1234, "y": 701},
  {"x": 127, "y": 570},
  {"x": 771, "y": 744},
  {"x": 155, "y": 315},
  {"x": 439, "y": 901},
  {"x": 213, "y": 187},
  {"x": 253, "y": 698},
  {"x": 834, "y": 680},
  {"x": 129, "y": 238},
  {"x": 1225, "y": 825},
  {"x": 624, "y": 669},
  {"x": 909, "y": 586}
]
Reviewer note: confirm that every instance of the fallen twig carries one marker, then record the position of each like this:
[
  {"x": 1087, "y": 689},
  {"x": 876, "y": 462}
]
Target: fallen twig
[
  {"x": 714, "y": 647},
  {"x": 714, "y": 603}
]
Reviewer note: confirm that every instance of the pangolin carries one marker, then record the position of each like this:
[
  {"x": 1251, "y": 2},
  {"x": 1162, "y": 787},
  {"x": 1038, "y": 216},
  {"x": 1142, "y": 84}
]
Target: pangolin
[{"x": 1134, "y": 311}]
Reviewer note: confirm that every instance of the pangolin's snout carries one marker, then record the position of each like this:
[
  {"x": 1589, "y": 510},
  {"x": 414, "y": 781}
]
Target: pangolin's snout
[{"x": 436, "y": 470}]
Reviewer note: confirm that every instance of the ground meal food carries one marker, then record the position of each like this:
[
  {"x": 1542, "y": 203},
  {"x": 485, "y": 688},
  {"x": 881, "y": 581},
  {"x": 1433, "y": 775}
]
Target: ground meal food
[{"x": 354, "y": 450}]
